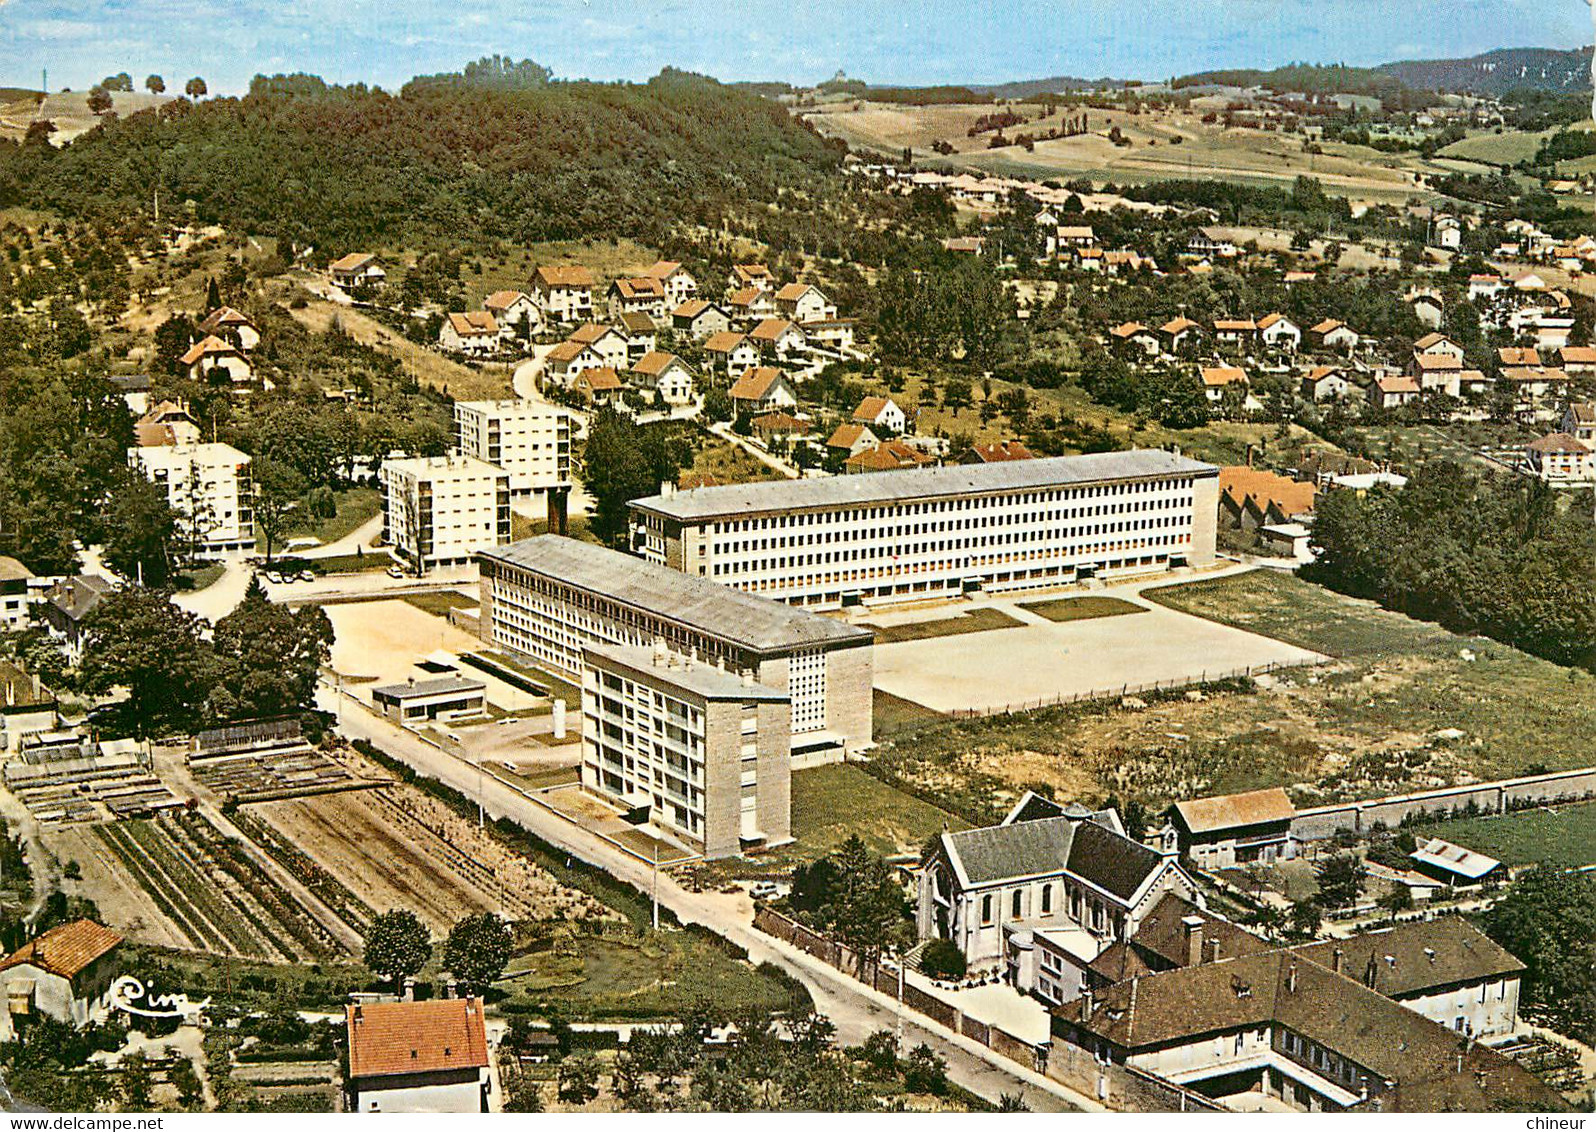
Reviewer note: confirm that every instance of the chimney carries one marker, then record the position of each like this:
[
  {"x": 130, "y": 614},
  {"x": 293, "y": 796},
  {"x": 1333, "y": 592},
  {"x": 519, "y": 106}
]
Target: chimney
[
  {"x": 1194, "y": 939},
  {"x": 1291, "y": 977},
  {"x": 1429, "y": 953},
  {"x": 1335, "y": 960},
  {"x": 1086, "y": 1004},
  {"x": 360, "y": 1013},
  {"x": 1213, "y": 950},
  {"x": 667, "y": 488}
]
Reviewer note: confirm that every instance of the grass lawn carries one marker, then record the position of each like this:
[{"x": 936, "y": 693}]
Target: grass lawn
[
  {"x": 655, "y": 975},
  {"x": 200, "y": 577},
  {"x": 894, "y": 713},
  {"x": 1565, "y": 837},
  {"x": 439, "y": 604},
  {"x": 1081, "y": 608},
  {"x": 354, "y": 506},
  {"x": 830, "y": 803},
  {"x": 975, "y": 621},
  {"x": 1375, "y": 722},
  {"x": 728, "y": 464}
]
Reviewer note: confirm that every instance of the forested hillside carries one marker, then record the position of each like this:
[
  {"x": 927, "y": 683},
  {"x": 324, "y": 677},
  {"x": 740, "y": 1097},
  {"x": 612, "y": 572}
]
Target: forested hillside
[
  {"x": 494, "y": 152},
  {"x": 1498, "y": 72}
]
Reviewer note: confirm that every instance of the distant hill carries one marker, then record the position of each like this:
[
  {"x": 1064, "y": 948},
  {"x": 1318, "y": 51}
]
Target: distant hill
[
  {"x": 1304, "y": 78},
  {"x": 1496, "y": 72},
  {"x": 1028, "y": 88}
]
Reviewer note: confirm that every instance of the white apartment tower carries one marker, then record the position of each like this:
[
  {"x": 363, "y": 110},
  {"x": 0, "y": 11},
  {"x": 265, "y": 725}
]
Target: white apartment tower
[
  {"x": 528, "y": 439},
  {"x": 441, "y": 510},
  {"x": 938, "y": 532},
  {"x": 210, "y": 489},
  {"x": 704, "y": 749}
]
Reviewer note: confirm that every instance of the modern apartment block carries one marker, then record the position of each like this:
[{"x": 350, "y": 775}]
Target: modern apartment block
[
  {"x": 933, "y": 532},
  {"x": 441, "y": 510},
  {"x": 210, "y": 488},
  {"x": 529, "y": 439},
  {"x": 548, "y": 598},
  {"x": 705, "y": 749}
]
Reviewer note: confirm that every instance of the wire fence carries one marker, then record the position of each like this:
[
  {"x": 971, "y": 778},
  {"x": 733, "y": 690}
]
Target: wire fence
[{"x": 1199, "y": 681}]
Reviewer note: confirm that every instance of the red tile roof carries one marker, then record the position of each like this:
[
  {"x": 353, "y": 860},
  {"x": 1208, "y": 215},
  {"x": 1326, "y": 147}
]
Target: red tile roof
[
  {"x": 564, "y": 275},
  {"x": 65, "y": 950},
  {"x": 387, "y": 1039}
]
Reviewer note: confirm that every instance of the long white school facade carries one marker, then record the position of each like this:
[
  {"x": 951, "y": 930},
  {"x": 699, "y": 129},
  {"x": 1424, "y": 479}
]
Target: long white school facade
[{"x": 910, "y": 535}]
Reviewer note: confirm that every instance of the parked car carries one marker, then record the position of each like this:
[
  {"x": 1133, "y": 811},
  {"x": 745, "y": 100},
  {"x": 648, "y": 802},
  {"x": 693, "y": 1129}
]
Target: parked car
[
  {"x": 274, "y": 577},
  {"x": 395, "y": 572},
  {"x": 307, "y": 575},
  {"x": 764, "y": 890}
]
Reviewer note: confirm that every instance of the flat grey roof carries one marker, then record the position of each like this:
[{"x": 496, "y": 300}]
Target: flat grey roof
[
  {"x": 718, "y": 611},
  {"x": 442, "y": 686},
  {"x": 865, "y": 489},
  {"x": 692, "y": 676}
]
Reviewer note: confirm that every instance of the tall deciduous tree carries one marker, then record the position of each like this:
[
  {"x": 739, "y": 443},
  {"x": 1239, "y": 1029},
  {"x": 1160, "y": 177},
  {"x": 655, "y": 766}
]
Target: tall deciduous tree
[
  {"x": 141, "y": 530},
  {"x": 277, "y": 489},
  {"x": 477, "y": 950},
  {"x": 398, "y": 945},
  {"x": 624, "y": 461},
  {"x": 1548, "y": 921},
  {"x": 138, "y": 640},
  {"x": 269, "y": 657},
  {"x": 195, "y": 88},
  {"x": 155, "y": 84}
]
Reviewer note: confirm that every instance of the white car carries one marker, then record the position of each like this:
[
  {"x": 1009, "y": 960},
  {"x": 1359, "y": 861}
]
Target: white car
[
  {"x": 307, "y": 575},
  {"x": 395, "y": 572}
]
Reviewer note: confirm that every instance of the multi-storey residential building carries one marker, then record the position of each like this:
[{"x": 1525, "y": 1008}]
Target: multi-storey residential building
[
  {"x": 910, "y": 535},
  {"x": 705, "y": 749},
  {"x": 441, "y": 510},
  {"x": 545, "y": 599},
  {"x": 209, "y": 487},
  {"x": 563, "y": 292},
  {"x": 529, "y": 439}
]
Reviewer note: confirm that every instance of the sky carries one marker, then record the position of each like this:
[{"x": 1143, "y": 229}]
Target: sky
[{"x": 913, "y": 42}]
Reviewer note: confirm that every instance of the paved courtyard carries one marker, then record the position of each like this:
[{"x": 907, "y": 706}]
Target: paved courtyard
[{"x": 1044, "y": 661}]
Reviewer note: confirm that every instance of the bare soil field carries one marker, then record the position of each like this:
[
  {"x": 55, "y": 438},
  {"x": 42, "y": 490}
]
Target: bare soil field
[{"x": 123, "y": 903}]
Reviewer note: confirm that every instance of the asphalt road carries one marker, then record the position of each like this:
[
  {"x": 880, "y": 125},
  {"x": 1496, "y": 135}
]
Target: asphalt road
[{"x": 854, "y": 1009}]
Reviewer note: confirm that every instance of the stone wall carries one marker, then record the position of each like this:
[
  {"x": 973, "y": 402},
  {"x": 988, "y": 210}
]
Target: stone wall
[{"x": 1322, "y": 822}]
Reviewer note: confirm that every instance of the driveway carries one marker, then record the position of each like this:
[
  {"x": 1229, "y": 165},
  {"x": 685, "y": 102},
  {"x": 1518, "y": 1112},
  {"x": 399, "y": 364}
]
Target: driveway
[
  {"x": 725, "y": 432},
  {"x": 222, "y": 596}
]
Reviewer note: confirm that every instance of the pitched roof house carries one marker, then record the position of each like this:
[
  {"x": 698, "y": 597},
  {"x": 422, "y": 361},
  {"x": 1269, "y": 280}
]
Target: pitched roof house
[
  {"x": 761, "y": 388},
  {"x": 852, "y": 439},
  {"x": 887, "y": 456},
  {"x": 64, "y": 973},
  {"x": 418, "y": 1056}
]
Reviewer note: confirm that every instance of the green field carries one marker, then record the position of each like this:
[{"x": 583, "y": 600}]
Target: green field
[
  {"x": 1507, "y": 148},
  {"x": 1565, "y": 836},
  {"x": 353, "y": 506},
  {"x": 1081, "y": 608},
  {"x": 979, "y": 620},
  {"x": 894, "y": 713}
]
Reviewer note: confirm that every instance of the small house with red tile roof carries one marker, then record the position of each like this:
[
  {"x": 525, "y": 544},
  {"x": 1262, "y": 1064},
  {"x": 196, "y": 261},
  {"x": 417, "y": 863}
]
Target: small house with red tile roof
[
  {"x": 1238, "y": 333},
  {"x": 665, "y": 374},
  {"x": 851, "y": 439},
  {"x": 1388, "y": 391},
  {"x": 750, "y": 305},
  {"x": 1230, "y": 829},
  {"x": 1517, "y": 356},
  {"x": 1134, "y": 339},
  {"x": 469, "y": 332},
  {"x": 563, "y": 292},
  {"x": 568, "y": 359},
  {"x": 729, "y": 352},
  {"x": 640, "y": 333},
  {"x": 679, "y": 282},
  {"x": 512, "y": 310},
  {"x": 888, "y": 456},
  {"x": 418, "y": 1056},
  {"x": 1561, "y": 459},
  {"x": 757, "y": 275},
  {"x": 64, "y": 973},
  {"x": 232, "y": 326},
  {"x": 600, "y": 385},
  {"x": 1180, "y": 334},
  {"x": 1579, "y": 421},
  {"x": 1326, "y": 383},
  {"x": 762, "y": 388},
  {"x": 802, "y": 302},
  {"x": 642, "y": 295},
  {"x": 356, "y": 270},
  {"x": 881, "y": 413},
  {"x": 700, "y": 318},
  {"x": 1438, "y": 343},
  {"x": 1333, "y": 335},
  {"x": 1484, "y": 286},
  {"x": 996, "y": 453},
  {"x": 778, "y": 336},
  {"x": 1436, "y": 371},
  {"x": 1577, "y": 359},
  {"x": 1279, "y": 333},
  {"x": 779, "y": 423},
  {"x": 1216, "y": 379},
  {"x": 211, "y": 356},
  {"x": 609, "y": 342}
]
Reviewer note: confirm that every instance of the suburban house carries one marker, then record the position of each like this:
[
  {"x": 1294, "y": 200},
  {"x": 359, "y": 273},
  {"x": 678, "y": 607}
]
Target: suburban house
[
  {"x": 1517, "y": 356},
  {"x": 729, "y": 352},
  {"x": 1237, "y": 333},
  {"x": 643, "y": 295},
  {"x": 605, "y": 340},
  {"x": 1428, "y": 309},
  {"x": 1333, "y": 335},
  {"x": 761, "y": 388},
  {"x": 750, "y": 305},
  {"x": 231, "y": 326},
  {"x": 67, "y": 607},
  {"x": 1326, "y": 383},
  {"x": 1537, "y": 391},
  {"x": 1577, "y": 359},
  {"x": 779, "y": 424},
  {"x": 1279, "y": 333},
  {"x": 801, "y": 302},
  {"x": 1180, "y": 334},
  {"x": 756, "y": 275},
  {"x": 1217, "y": 379},
  {"x": 700, "y": 318},
  {"x": 1561, "y": 459},
  {"x": 1437, "y": 371},
  {"x": 1390, "y": 390},
  {"x": 997, "y": 452},
  {"x": 640, "y": 333},
  {"x": 1134, "y": 339},
  {"x": 778, "y": 336},
  {"x": 883, "y": 413},
  {"x": 679, "y": 283},
  {"x": 1075, "y": 236},
  {"x": 1124, "y": 259},
  {"x": 886, "y": 456},
  {"x": 666, "y": 374},
  {"x": 1579, "y": 421},
  {"x": 600, "y": 385},
  {"x": 418, "y": 1056},
  {"x": 64, "y": 973},
  {"x": 169, "y": 422},
  {"x": 563, "y": 292},
  {"x": 17, "y": 595},
  {"x": 511, "y": 310},
  {"x": 211, "y": 355},
  {"x": 1208, "y": 244},
  {"x": 1075, "y": 869},
  {"x": 835, "y": 333},
  {"x": 569, "y": 359},
  {"x": 1484, "y": 286},
  {"x": 1232, "y": 829},
  {"x": 469, "y": 332},
  {"x": 1089, "y": 259},
  {"x": 1251, "y": 499},
  {"x": 1437, "y": 343},
  {"x": 356, "y": 270},
  {"x": 851, "y": 439}
]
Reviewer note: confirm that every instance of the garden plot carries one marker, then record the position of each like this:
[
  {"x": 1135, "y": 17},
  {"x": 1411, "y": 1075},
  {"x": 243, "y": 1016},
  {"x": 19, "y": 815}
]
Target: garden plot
[
  {"x": 398, "y": 848},
  {"x": 88, "y": 788},
  {"x": 211, "y": 892},
  {"x": 273, "y": 775}
]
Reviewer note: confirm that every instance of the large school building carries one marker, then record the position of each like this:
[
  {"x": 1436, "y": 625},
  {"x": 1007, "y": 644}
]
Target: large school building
[
  {"x": 933, "y": 532},
  {"x": 546, "y": 599}
]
